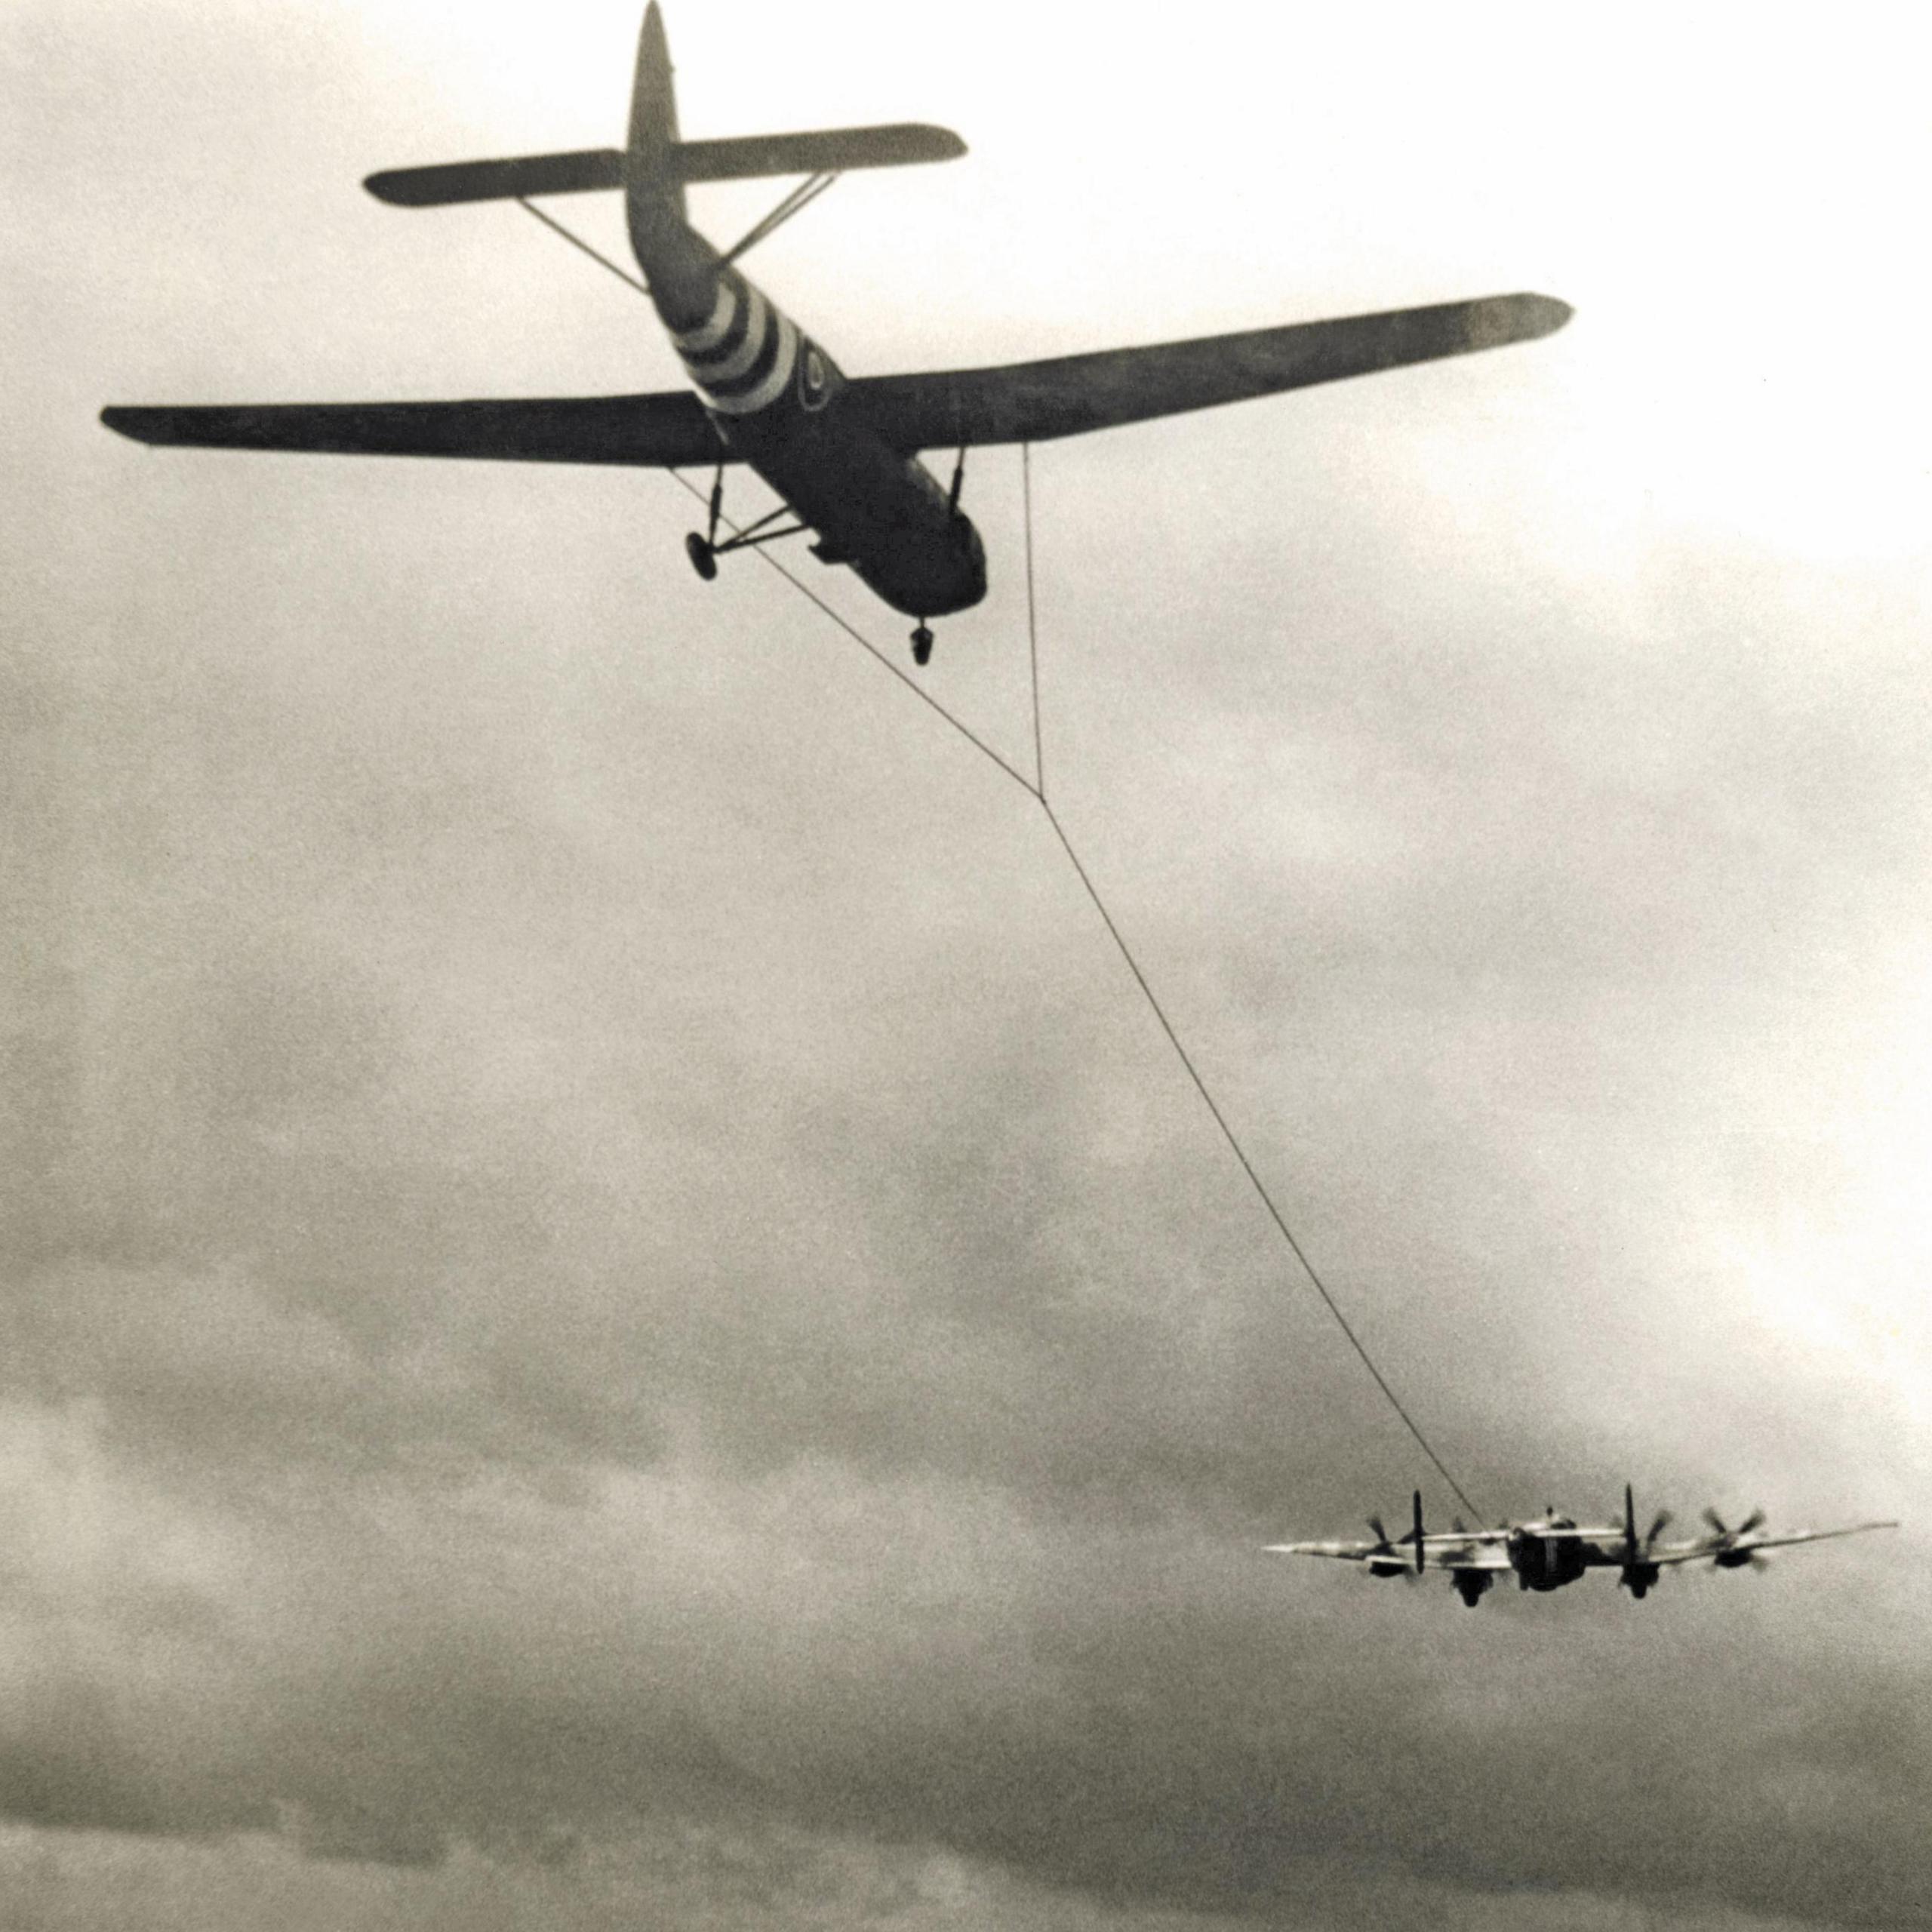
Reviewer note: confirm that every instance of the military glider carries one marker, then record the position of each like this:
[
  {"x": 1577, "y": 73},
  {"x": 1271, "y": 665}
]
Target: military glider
[
  {"x": 842, "y": 454},
  {"x": 1550, "y": 1551}
]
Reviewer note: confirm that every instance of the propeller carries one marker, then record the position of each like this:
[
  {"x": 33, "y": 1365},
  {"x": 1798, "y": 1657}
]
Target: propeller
[
  {"x": 1638, "y": 1573},
  {"x": 1385, "y": 1559},
  {"x": 1756, "y": 1521},
  {"x": 1726, "y": 1555},
  {"x": 1413, "y": 1534}
]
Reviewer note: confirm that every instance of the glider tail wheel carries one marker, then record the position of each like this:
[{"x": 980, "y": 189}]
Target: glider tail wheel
[{"x": 922, "y": 645}]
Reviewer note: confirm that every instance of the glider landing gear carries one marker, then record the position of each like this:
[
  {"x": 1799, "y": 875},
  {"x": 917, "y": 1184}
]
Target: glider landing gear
[
  {"x": 705, "y": 551},
  {"x": 922, "y": 645}
]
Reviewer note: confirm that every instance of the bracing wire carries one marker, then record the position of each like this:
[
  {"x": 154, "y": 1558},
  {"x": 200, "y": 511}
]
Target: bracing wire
[
  {"x": 1036, "y": 789},
  {"x": 1032, "y": 621},
  {"x": 858, "y": 637}
]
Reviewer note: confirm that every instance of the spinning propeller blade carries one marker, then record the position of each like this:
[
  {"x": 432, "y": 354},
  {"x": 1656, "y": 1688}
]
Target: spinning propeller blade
[
  {"x": 1756, "y": 1521},
  {"x": 1724, "y": 1552},
  {"x": 1639, "y": 1573}
]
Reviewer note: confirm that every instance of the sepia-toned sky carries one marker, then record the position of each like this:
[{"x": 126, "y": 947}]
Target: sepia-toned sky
[{"x": 614, "y": 1313}]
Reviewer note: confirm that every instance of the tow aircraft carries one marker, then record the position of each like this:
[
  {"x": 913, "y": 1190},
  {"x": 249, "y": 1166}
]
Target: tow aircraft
[
  {"x": 1551, "y": 1551},
  {"x": 841, "y": 452}
]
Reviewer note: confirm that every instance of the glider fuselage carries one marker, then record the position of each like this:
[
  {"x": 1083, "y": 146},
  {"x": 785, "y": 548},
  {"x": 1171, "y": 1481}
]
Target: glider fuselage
[{"x": 781, "y": 403}]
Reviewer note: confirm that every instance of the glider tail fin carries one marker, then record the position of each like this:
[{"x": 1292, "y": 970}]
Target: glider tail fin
[{"x": 653, "y": 188}]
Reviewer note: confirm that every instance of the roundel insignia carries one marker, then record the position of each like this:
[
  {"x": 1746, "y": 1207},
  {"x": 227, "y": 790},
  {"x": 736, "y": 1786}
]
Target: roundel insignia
[{"x": 812, "y": 388}]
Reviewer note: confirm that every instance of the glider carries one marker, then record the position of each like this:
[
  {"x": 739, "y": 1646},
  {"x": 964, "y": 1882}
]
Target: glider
[{"x": 842, "y": 453}]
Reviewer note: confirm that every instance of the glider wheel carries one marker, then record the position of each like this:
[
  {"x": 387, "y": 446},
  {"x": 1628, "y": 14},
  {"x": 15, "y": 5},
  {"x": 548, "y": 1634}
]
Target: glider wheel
[
  {"x": 704, "y": 560},
  {"x": 922, "y": 645}
]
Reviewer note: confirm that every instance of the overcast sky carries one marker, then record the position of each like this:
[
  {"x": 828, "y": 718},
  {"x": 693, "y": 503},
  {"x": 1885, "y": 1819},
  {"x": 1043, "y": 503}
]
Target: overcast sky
[{"x": 614, "y": 1313}]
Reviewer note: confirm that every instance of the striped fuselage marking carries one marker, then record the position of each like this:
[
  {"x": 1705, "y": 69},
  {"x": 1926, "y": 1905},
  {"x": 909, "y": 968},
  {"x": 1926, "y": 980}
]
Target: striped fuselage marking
[
  {"x": 743, "y": 355},
  {"x": 773, "y": 394}
]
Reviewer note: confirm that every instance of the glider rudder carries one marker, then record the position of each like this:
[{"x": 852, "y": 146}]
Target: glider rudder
[{"x": 653, "y": 192}]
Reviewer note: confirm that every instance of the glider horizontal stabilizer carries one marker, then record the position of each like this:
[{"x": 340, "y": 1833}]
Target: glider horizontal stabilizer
[{"x": 822, "y": 151}]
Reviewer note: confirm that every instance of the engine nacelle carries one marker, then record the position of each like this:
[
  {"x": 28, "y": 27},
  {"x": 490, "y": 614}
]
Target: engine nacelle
[{"x": 1639, "y": 1579}]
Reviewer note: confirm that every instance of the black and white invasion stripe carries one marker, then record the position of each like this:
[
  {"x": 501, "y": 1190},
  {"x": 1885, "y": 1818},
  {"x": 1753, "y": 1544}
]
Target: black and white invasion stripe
[{"x": 742, "y": 356}]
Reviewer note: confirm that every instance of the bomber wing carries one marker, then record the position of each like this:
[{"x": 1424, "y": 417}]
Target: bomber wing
[
  {"x": 1480, "y": 1550},
  {"x": 668, "y": 431},
  {"x": 1359, "y": 1551},
  {"x": 1740, "y": 1548},
  {"x": 1809, "y": 1536},
  {"x": 1472, "y": 1556},
  {"x": 1035, "y": 401},
  {"x": 1670, "y": 1552}
]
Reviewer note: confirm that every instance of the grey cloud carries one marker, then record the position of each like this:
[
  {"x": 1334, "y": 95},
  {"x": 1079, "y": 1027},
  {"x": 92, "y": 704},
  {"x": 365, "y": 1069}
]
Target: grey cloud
[{"x": 601, "y": 1258}]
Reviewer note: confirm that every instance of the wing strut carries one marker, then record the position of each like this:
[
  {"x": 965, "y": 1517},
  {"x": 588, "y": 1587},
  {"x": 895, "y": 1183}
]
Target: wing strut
[{"x": 801, "y": 197}]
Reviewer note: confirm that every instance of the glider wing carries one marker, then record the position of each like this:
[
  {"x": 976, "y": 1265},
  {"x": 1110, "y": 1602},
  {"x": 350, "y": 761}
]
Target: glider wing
[
  {"x": 1034, "y": 401},
  {"x": 1020, "y": 402},
  {"x": 669, "y": 431}
]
